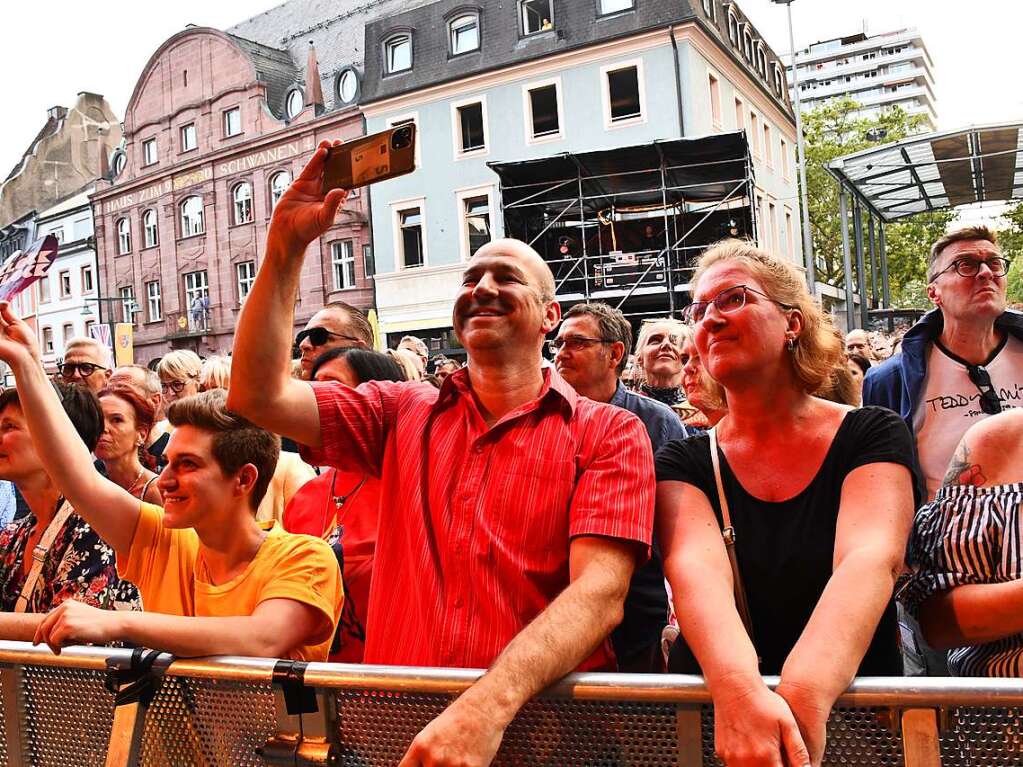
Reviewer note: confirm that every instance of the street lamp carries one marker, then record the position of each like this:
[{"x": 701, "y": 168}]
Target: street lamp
[{"x": 808, "y": 259}]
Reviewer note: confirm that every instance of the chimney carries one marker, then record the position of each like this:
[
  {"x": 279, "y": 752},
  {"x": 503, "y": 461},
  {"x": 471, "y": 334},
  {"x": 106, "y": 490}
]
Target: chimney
[
  {"x": 313, "y": 89},
  {"x": 56, "y": 113}
]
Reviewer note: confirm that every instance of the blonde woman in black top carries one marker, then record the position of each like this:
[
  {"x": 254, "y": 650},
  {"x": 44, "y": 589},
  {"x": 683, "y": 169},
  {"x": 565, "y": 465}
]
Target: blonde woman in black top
[{"x": 821, "y": 500}]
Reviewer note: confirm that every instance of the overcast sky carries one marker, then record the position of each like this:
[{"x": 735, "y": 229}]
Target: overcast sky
[{"x": 58, "y": 48}]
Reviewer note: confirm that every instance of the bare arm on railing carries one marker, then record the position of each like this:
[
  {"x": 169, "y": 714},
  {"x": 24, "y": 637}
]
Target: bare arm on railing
[
  {"x": 262, "y": 388},
  {"x": 989, "y": 454},
  {"x": 111, "y": 510},
  {"x": 273, "y": 629},
  {"x": 20, "y": 627},
  {"x": 470, "y": 730},
  {"x": 752, "y": 725},
  {"x": 874, "y": 518}
]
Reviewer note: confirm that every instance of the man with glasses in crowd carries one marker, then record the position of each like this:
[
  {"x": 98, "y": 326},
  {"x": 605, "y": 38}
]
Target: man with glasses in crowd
[
  {"x": 961, "y": 363},
  {"x": 86, "y": 363},
  {"x": 336, "y": 325},
  {"x": 590, "y": 352}
]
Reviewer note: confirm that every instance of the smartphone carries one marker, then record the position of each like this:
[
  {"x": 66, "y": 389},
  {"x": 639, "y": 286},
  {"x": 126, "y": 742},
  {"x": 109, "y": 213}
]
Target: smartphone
[{"x": 367, "y": 159}]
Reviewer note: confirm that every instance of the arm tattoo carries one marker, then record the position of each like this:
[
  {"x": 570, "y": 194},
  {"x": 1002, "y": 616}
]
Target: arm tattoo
[{"x": 961, "y": 471}]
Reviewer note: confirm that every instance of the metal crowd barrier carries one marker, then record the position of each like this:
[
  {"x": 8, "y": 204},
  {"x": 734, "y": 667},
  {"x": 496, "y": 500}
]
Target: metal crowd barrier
[{"x": 98, "y": 706}]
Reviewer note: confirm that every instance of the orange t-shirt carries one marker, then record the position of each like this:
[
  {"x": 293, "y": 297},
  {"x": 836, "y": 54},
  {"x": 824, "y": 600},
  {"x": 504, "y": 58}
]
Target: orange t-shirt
[{"x": 163, "y": 564}]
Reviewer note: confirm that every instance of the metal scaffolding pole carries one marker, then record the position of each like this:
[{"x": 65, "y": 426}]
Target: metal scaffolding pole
[
  {"x": 861, "y": 272},
  {"x": 843, "y": 212},
  {"x": 886, "y": 293},
  {"x": 874, "y": 294}
]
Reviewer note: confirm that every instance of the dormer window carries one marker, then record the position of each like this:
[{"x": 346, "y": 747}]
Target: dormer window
[
  {"x": 615, "y": 6},
  {"x": 347, "y": 86},
  {"x": 761, "y": 60},
  {"x": 747, "y": 45},
  {"x": 465, "y": 34},
  {"x": 733, "y": 29},
  {"x": 398, "y": 54},
  {"x": 536, "y": 16},
  {"x": 294, "y": 103},
  {"x": 779, "y": 81}
]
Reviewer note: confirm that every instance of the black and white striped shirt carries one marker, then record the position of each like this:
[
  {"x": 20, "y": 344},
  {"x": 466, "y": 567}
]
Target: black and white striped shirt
[{"x": 969, "y": 535}]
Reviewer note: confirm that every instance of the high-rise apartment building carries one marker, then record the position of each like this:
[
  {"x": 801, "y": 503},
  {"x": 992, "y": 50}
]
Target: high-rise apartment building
[{"x": 877, "y": 71}]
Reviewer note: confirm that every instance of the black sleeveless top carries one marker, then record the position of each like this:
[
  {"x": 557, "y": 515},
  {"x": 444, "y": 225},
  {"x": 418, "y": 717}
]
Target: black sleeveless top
[{"x": 786, "y": 549}]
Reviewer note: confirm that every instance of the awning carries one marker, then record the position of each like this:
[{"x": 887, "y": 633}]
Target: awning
[{"x": 937, "y": 171}]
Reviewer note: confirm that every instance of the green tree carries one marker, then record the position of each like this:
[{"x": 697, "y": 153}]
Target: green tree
[
  {"x": 1010, "y": 239},
  {"x": 835, "y": 129}
]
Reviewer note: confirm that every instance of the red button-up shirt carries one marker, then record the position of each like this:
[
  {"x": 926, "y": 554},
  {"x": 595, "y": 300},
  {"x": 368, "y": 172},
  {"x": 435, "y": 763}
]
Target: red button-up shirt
[{"x": 456, "y": 579}]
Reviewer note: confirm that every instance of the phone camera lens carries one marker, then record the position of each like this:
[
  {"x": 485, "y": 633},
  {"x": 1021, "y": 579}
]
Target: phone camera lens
[{"x": 401, "y": 138}]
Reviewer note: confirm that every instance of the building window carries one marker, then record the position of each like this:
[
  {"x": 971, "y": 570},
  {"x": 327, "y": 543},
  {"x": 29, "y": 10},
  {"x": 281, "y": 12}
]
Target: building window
[
  {"x": 410, "y": 226},
  {"x": 733, "y": 29},
  {"x": 127, "y": 295},
  {"x": 88, "y": 284},
  {"x": 465, "y": 34},
  {"x": 784, "y": 159},
  {"x": 68, "y": 331},
  {"x": 747, "y": 45},
  {"x": 89, "y": 325},
  {"x": 342, "y": 264},
  {"x": 398, "y": 54},
  {"x": 232, "y": 122},
  {"x": 754, "y": 133},
  {"x": 123, "y": 236},
  {"x": 790, "y": 245},
  {"x": 616, "y": 6},
  {"x": 369, "y": 267},
  {"x": 294, "y": 103},
  {"x": 543, "y": 107},
  {"x": 154, "y": 302},
  {"x": 64, "y": 280},
  {"x": 197, "y": 300},
  {"x": 47, "y": 340},
  {"x": 715, "y": 100},
  {"x": 188, "y": 141},
  {"x": 347, "y": 86},
  {"x": 44, "y": 290},
  {"x": 740, "y": 115},
  {"x": 772, "y": 218},
  {"x": 476, "y": 223},
  {"x": 622, "y": 94},
  {"x": 192, "y": 217},
  {"x": 120, "y": 160},
  {"x": 536, "y": 16},
  {"x": 58, "y": 233},
  {"x": 243, "y": 203},
  {"x": 471, "y": 127},
  {"x": 779, "y": 82},
  {"x": 768, "y": 154},
  {"x": 710, "y": 10},
  {"x": 279, "y": 183},
  {"x": 149, "y": 152},
  {"x": 150, "y": 235},
  {"x": 761, "y": 60},
  {"x": 246, "y": 272}
]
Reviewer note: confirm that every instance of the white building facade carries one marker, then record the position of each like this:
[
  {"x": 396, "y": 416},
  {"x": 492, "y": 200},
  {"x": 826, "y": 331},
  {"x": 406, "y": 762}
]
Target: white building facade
[{"x": 876, "y": 71}]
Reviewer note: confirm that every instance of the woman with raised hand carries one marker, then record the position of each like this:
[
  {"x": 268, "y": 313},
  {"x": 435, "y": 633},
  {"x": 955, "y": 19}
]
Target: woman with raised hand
[
  {"x": 819, "y": 497},
  {"x": 127, "y": 419}
]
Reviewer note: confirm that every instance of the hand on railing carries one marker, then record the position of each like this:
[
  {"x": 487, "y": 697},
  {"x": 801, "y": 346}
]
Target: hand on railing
[
  {"x": 758, "y": 728},
  {"x": 464, "y": 734}
]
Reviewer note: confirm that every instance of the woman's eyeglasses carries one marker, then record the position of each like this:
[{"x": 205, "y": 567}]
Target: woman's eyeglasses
[
  {"x": 175, "y": 386},
  {"x": 727, "y": 301}
]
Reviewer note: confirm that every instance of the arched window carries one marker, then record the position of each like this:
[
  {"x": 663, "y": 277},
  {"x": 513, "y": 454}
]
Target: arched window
[
  {"x": 192, "y": 217},
  {"x": 123, "y": 236},
  {"x": 464, "y": 34},
  {"x": 398, "y": 54},
  {"x": 119, "y": 162},
  {"x": 761, "y": 60},
  {"x": 294, "y": 103},
  {"x": 347, "y": 86},
  {"x": 279, "y": 183},
  {"x": 243, "y": 203},
  {"x": 150, "y": 234}
]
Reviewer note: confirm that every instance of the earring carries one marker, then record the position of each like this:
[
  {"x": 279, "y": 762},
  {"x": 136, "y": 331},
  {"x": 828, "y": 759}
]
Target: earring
[{"x": 791, "y": 344}]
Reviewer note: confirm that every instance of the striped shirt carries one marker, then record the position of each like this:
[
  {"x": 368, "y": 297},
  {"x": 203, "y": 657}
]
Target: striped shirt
[
  {"x": 457, "y": 577},
  {"x": 969, "y": 535}
]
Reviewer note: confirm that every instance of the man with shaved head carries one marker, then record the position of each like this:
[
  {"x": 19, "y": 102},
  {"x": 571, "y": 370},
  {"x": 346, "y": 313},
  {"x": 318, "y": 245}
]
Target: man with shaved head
[{"x": 513, "y": 510}]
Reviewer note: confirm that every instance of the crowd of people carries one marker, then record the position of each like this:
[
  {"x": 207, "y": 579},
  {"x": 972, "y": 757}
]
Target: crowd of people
[{"x": 739, "y": 493}]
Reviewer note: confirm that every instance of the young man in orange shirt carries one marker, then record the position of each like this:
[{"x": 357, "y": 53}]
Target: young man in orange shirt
[{"x": 213, "y": 580}]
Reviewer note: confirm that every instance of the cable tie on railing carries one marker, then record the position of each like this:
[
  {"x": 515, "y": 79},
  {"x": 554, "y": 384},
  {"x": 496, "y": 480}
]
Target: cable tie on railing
[
  {"x": 298, "y": 698},
  {"x": 137, "y": 683}
]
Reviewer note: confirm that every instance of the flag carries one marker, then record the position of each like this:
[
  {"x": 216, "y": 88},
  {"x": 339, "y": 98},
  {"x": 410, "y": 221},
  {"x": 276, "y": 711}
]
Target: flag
[{"x": 25, "y": 267}]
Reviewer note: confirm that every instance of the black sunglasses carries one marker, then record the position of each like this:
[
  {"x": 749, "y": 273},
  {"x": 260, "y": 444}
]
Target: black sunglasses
[
  {"x": 85, "y": 369},
  {"x": 319, "y": 336},
  {"x": 990, "y": 402}
]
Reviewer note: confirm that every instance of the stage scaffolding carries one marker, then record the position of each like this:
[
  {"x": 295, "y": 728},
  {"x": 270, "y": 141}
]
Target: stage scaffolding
[{"x": 626, "y": 225}]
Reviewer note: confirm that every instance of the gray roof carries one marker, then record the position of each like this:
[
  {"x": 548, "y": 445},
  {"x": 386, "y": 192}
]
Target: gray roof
[
  {"x": 335, "y": 27},
  {"x": 273, "y": 66}
]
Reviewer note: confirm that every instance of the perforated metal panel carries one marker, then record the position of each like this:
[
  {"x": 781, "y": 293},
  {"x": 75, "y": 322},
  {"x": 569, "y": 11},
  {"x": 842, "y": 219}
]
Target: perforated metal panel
[
  {"x": 376, "y": 728},
  {"x": 857, "y": 737},
  {"x": 207, "y": 722},
  {"x": 982, "y": 737},
  {"x": 66, "y": 715}
]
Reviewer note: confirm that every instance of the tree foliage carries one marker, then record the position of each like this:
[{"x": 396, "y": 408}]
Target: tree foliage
[{"x": 835, "y": 129}]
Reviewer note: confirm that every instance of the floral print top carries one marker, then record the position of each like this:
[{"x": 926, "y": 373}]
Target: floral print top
[{"x": 79, "y": 565}]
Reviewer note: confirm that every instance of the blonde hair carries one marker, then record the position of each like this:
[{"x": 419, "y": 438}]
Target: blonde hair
[
  {"x": 407, "y": 361},
  {"x": 819, "y": 346},
  {"x": 676, "y": 326},
  {"x": 215, "y": 374},
  {"x": 181, "y": 364}
]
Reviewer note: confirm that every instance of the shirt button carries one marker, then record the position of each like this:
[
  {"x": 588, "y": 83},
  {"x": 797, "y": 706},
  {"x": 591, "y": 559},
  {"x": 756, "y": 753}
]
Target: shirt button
[
  {"x": 458, "y": 601},
  {"x": 478, "y": 449}
]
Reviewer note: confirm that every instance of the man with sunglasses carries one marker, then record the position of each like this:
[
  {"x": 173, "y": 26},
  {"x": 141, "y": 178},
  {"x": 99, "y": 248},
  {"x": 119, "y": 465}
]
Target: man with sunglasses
[
  {"x": 961, "y": 363},
  {"x": 86, "y": 363},
  {"x": 336, "y": 325}
]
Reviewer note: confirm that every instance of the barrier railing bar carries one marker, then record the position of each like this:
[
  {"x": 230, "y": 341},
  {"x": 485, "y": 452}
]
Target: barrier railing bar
[
  {"x": 920, "y": 744},
  {"x": 10, "y": 695},
  {"x": 125, "y": 736},
  {"x": 689, "y": 730}
]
